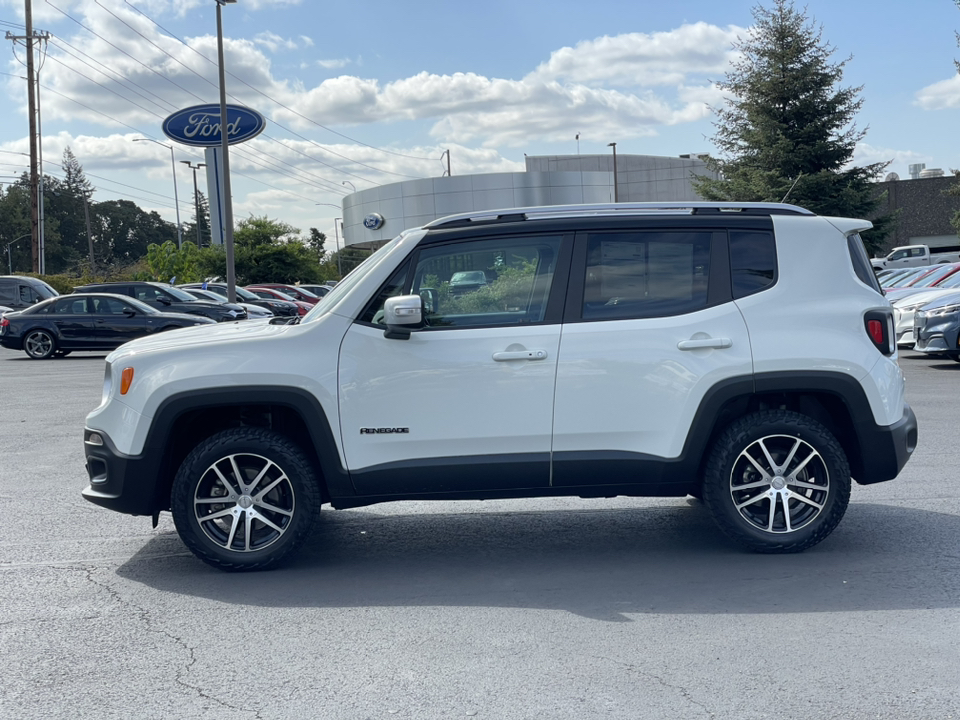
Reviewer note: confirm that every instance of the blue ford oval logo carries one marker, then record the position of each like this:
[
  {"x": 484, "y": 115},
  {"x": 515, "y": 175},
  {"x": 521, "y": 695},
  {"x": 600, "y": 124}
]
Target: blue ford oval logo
[
  {"x": 200, "y": 125},
  {"x": 373, "y": 221}
]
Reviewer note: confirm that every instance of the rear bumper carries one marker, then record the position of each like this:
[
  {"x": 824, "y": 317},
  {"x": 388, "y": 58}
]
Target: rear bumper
[{"x": 886, "y": 449}]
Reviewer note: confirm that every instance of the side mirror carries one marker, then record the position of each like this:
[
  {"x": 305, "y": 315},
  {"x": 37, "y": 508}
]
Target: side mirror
[
  {"x": 163, "y": 300},
  {"x": 429, "y": 296},
  {"x": 129, "y": 313},
  {"x": 401, "y": 315}
]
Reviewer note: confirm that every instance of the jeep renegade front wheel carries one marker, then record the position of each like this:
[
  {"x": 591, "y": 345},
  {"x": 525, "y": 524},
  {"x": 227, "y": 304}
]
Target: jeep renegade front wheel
[
  {"x": 777, "y": 481},
  {"x": 245, "y": 498}
]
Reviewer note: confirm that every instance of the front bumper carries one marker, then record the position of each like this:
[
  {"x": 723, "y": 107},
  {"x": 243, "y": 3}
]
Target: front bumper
[
  {"x": 124, "y": 483},
  {"x": 886, "y": 450}
]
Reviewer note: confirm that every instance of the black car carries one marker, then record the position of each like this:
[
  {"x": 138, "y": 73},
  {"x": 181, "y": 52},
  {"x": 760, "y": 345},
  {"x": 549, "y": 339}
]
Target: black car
[
  {"x": 277, "y": 307},
  {"x": 168, "y": 299},
  {"x": 19, "y": 292},
  {"x": 96, "y": 321}
]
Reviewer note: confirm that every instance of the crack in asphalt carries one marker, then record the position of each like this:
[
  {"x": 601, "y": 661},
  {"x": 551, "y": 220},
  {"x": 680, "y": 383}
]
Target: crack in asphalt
[
  {"x": 684, "y": 693},
  {"x": 144, "y": 616}
]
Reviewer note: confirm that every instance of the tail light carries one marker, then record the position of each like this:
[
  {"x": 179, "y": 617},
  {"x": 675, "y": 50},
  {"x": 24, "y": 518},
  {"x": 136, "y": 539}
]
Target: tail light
[
  {"x": 879, "y": 327},
  {"x": 4, "y": 322}
]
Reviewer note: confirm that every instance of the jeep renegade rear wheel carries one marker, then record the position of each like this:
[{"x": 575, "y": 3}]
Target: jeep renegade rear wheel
[
  {"x": 245, "y": 498},
  {"x": 777, "y": 481}
]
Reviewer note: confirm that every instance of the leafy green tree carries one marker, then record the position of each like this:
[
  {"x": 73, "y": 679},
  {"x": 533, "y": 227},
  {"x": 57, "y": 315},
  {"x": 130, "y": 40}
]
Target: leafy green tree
[
  {"x": 165, "y": 262},
  {"x": 786, "y": 131},
  {"x": 257, "y": 231},
  {"x": 15, "y": 227},
  {"x": 315, "y": 242},
  {"x": 190, "y": 230},
  {"x": 125, "y": 230}
]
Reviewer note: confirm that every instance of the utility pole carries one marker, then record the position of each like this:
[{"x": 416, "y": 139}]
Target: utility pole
[
  {"x": 447, "y": 153},
  {"x": 29, "y": 39},
  {"x": 86, "y": 216},
  {"x": 196, "y": 195}
]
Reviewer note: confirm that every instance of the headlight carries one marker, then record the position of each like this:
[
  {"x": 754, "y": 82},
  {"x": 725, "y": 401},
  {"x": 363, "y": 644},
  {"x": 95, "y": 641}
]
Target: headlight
[
  {"x": 945, "y": 310},
  {"x": 911, "y": 308}
]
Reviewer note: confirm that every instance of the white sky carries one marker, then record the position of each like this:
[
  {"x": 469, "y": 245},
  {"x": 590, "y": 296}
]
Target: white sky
[{"x": 369, "y": 92}]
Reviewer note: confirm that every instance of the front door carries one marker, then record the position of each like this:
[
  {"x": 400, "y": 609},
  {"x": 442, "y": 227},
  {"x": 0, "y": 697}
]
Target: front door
[
  {"x": 117, "y": 321},
  {"x": 466, "y": 403}
]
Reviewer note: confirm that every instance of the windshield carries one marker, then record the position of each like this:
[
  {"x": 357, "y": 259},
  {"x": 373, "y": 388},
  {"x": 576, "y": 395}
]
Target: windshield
[
  {"x": 44, "y": 290},
  {"x": 951, "y": 282},
  {"x": 933, "y": 276},
  {"x": 141, "y": 306},
  {"x": 352, "y": 278},
  {"x": 179, "y": 294}
]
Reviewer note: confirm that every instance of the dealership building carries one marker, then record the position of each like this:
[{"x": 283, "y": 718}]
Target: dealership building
[{"x": 371, "y": 217}]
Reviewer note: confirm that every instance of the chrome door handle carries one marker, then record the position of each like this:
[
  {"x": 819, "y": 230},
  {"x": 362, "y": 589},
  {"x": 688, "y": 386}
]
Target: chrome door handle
[
  {"x": 520, "y": 355},
  {"x": 720, "y": 342}
]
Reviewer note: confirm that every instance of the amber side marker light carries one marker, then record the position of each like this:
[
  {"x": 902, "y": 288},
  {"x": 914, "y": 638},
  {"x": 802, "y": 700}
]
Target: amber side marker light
[{"x": 126, "y": 377}]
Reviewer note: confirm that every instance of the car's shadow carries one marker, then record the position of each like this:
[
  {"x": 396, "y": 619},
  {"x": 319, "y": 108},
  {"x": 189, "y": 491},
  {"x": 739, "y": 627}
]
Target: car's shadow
[
  {"x": 74, "y": 355},
  {"x": 602, "y": 564}
]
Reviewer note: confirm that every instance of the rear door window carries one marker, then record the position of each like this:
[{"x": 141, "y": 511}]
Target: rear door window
[{"x": 641, "y": 274}]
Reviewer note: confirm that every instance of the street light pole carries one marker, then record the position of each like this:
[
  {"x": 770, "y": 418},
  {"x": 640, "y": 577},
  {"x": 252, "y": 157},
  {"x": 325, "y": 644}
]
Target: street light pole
[
  {"x": 176, "y": 198},
  {"x": 10, "y": 254},
  {"x": 336, "y": 235},
  {"x": 616, "y": 187},
  {"x": 196, "y": 194},
  {"x": 227, "y": 199},
  {"x": 347, "y": 182}
]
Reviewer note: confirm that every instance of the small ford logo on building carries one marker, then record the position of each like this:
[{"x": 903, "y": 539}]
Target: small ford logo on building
[
  {"x": 200, "y": 125},
  {"x": 373, "y": 221}
]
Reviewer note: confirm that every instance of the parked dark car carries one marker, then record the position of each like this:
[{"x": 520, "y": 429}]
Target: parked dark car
[
  {"x": 168, "y": 299},
  {"x": 467, "y": 281},
  {"x": 937, "y": 327},
  {"x": 274, "y": 305},
  {"x": 318, "y": 290},
  {"x": 273, "y": 294},
  {"x": 18, "y": 291},
  {"x": 295, "y": 291},
  {"x": 95, "y": 321}
]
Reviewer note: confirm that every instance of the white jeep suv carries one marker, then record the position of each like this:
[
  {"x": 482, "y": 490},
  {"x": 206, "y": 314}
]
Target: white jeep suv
[{"x": 742, "y": 353}]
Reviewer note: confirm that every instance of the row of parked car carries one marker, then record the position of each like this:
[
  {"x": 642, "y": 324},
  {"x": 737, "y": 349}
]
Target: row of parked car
[
  {"x": 926, "y": 307},
  {"x": 103, "y": 316}
]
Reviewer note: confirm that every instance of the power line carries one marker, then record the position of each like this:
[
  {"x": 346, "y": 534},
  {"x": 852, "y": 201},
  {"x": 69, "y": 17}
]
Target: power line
[{"x": 304, "y": 117}]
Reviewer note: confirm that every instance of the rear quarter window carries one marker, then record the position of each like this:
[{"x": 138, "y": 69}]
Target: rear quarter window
[
  {"x": 753, "y": 261},
  {"x": 861, "y": 264}
]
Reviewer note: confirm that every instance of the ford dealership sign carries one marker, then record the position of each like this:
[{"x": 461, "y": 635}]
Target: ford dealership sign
[
  {"x": 373, "y": 221},
  {"x": 200, "y": 125}
]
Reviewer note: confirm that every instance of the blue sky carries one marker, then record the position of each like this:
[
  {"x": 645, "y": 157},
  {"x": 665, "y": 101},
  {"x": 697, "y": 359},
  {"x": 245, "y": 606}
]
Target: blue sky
[{"x": 368, "y": 92}]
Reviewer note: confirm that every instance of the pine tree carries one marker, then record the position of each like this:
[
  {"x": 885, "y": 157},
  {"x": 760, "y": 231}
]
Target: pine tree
[{"x": 786, "y": 132}]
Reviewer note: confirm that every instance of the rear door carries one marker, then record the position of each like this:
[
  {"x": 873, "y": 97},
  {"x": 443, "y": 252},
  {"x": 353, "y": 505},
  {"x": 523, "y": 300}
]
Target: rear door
[
  {"x": 466, "y": 403},
  {"x": 650, "y": 328},
  {"x": 71, "y": 316}
]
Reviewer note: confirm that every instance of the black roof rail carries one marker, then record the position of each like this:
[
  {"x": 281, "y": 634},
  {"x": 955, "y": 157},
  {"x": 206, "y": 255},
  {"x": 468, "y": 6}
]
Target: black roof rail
[{"x": 508, "y": 215}]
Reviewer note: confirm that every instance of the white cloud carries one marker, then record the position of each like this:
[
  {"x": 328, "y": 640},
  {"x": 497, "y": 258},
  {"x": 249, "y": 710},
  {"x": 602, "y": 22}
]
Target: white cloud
[
  {"x": 866, "y": 154},
  {"x": 273, "y": 42},
  {"x": 333, "y": 64},
  {"x": 642, "y": 60},
  {"x": 940, "y": 95}
]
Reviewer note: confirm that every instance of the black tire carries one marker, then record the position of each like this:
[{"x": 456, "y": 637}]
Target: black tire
[
  {"x": 62, "y": 353},
  {"x": 807, "y": 484},
  {"x": 39, "y": 344},
  {"x": 955, "y": 358},
  {"x": 279, "y": 516}
]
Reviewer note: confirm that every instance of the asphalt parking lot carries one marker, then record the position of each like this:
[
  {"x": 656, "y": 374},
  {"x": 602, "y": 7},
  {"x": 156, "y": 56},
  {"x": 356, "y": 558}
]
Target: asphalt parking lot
[{"x": 549, "y": 608}]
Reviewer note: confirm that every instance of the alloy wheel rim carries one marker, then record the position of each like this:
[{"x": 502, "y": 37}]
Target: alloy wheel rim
[
  {"x": 244, "y": 502},
  {"x": 779, "y": 484},
  {"x": 39, "y": 344}
]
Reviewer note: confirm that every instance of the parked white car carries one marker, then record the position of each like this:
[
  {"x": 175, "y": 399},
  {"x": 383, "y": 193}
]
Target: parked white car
[{"x": 904, "y": 309}]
